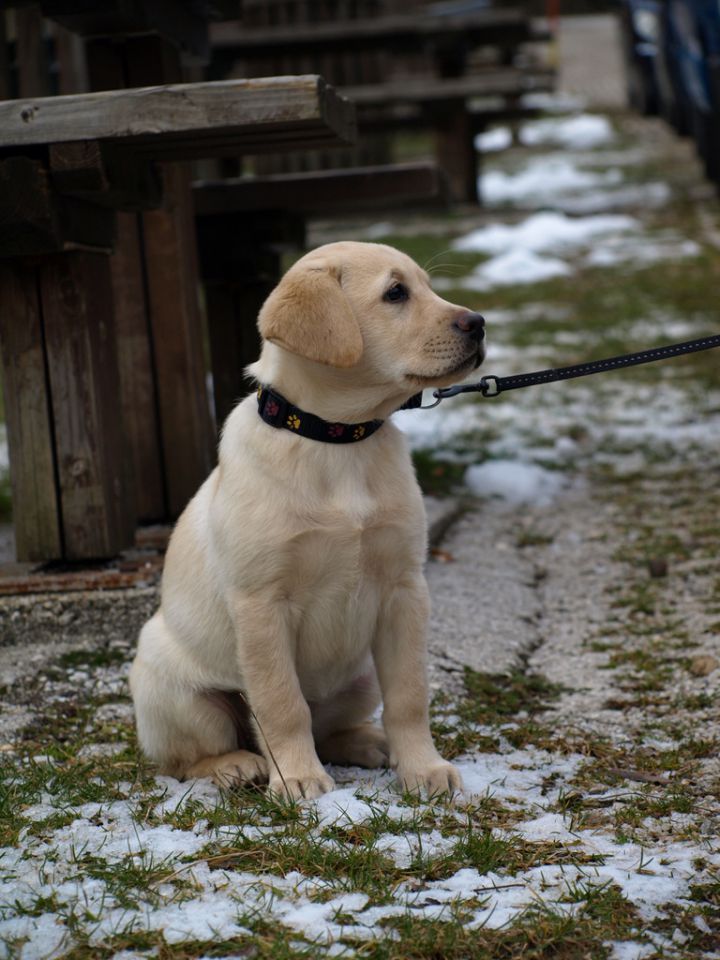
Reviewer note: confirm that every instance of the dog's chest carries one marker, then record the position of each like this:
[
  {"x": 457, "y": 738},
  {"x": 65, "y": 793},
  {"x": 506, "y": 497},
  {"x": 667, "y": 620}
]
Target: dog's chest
[
  {"x": 346, "y": 563},
  {"x": 342, "y": 545}
]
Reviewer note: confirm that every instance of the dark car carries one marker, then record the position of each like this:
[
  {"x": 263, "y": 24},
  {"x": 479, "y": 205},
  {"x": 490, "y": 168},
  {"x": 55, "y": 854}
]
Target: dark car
[{"x": 672, "y": 50}]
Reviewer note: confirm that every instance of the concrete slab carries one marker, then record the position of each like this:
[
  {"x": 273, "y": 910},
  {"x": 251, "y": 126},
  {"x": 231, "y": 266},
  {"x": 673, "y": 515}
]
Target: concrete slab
[
  {"x": 485, "y": 607},
  {"x": 591, "y": 64}
]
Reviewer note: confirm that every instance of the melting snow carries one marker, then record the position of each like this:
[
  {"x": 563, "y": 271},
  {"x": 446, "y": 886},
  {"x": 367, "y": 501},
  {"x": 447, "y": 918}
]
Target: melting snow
[
  {"x": 542, "y": 181},
  {"x": 515, "y": 266},
  {"x": 581, "y": 132},
  {"x": 498, "y": 138},
  {"x": 224, "y": 901},
  {"x": 544, "y": 231},
  {"x": 514, "y": 481}
]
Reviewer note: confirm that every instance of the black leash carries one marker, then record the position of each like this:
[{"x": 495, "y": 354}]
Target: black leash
[{"x": 491, "y": 386}]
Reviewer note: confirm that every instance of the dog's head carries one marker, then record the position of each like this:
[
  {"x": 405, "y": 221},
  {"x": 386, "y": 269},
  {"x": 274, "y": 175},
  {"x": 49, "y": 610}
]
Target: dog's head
[{"x": 369, "y": 308}]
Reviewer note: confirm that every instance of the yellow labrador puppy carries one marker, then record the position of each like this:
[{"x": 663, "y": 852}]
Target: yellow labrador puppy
[{"x": 293, "y": 598}]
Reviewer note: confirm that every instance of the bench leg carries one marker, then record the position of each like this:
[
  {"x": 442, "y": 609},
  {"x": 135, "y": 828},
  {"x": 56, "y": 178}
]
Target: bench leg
[
  {"x": 186, "y": 425},
  {"x": 96, "y": 502},
  {"x": 28, "y": 412},
  {"x": 137, "y": 377},
  {"x": 455, "y": 152},
  {"x": 234, "y": 338},
  {"x": 185, "y": 438},
  {"x": 71, "y": 496}
]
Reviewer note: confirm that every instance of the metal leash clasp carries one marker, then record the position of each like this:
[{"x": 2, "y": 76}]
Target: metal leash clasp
[{"x": 486, "y": 389}]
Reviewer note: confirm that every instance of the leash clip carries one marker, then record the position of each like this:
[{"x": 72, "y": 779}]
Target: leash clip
[{"x": 485, "y": 386}]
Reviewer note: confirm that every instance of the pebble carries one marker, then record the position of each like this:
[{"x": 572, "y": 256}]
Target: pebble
[{"x": 703, "y": 665}]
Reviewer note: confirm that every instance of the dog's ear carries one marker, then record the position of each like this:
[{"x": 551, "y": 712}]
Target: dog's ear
[{"x": 308, "y": 314}]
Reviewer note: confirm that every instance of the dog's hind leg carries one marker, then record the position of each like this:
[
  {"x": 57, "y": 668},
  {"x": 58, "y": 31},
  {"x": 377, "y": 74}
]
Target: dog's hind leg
[
  {"x": 190, "y": 732},
  {"x": 343, "y": 733}
]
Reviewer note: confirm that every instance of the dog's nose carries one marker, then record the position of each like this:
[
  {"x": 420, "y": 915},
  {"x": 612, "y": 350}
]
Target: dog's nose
[{"x": 473, "y": 324}]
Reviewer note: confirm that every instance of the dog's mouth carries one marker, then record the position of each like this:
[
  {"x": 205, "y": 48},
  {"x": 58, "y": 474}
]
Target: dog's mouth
[{"x": 449, "y": 376}]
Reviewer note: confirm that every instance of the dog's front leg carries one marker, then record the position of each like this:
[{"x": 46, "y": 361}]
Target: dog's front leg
[
  {"x": 266, "y": 651},
  {"x": 401, "y": 660}
]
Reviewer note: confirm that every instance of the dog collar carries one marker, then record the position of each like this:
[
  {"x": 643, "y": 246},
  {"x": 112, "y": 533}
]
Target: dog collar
[{"x": 279, "y": 412}]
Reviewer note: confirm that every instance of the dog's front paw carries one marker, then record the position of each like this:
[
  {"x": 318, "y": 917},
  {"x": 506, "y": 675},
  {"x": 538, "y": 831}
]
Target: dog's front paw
[
  {"x": 307, "y": 787},
  {"x": 439, "y": 778}
]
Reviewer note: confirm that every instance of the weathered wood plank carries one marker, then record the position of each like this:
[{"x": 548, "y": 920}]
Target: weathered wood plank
[
  {"x": 401, "y": 32},
  {"x": 137, "y": 382},
  {"x": 33, "y": 220},
  {"x": 201, "y": 115},
  {"x": 322, "y": 191},
  {"x": 72, "y": 73},
  {"x": 78, "y": 167},
  {"x": 28, "y": 412},
  {"x": 87, "y": 171},
  {"x": 233, "y": 303},
  {"x": 33, "y": 76},
  {"x": 455, "y": 151},
  {"x": 175, "y": 318},
  {"x": 4, "y": 58},
  {"x": 107, "y": 70},
  {"x": 504, "y": 82},
  {"x": 187, "y": 431},
  {"x": 79, "y": 325},
  {"x": 185, "y": 24}
]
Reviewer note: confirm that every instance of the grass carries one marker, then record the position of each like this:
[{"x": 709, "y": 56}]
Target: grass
[
  {"x": 482, "y": 717},
  {"x": 437, "y": 476},
  {"x": 542, "y": 933}
]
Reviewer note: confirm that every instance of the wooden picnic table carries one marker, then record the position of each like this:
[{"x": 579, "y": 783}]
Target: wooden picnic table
[
  {"x": 106, "y": 399},
  {"x": 423, "y": 67}
]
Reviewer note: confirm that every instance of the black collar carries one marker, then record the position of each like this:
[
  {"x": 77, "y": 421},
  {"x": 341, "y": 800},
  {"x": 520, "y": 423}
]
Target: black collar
[{"x": 279, "y": 412}]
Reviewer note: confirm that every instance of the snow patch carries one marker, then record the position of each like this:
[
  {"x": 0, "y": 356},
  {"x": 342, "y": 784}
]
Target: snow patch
[
  {"x": 514, "y": 482},
  {"x": 491, "y": 141},
  {"x": 619, "y": 250},
  {"x": 547, "y": 230},
  {"x": 515, "y": 266},
  {"x": 584, "y": 131},
  {"x": 543, "y": 180}
]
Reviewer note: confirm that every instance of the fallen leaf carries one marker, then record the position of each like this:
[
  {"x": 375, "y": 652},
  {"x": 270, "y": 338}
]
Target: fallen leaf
[{"x": 442, "y": 556}]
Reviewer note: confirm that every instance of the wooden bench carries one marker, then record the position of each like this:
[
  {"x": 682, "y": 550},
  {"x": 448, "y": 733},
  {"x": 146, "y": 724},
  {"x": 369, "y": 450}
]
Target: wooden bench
[
  {"x": 105, "y": 387},
  {"x": 416, "y": 69}
]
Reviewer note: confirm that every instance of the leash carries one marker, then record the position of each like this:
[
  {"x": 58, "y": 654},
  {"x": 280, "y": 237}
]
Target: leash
[{"x": 492, "y": 386}]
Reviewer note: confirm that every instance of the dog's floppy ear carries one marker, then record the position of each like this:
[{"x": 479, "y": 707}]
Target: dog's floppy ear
[{"x": 308, "y": 314}]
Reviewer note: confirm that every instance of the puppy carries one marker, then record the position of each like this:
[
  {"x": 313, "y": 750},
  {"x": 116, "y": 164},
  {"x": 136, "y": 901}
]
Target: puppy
[{"x": 293, "y": 597}]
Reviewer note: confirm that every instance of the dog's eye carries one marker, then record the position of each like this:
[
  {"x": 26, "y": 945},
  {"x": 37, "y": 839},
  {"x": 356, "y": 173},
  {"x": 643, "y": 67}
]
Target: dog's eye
[{"x": 397, "y": 293}]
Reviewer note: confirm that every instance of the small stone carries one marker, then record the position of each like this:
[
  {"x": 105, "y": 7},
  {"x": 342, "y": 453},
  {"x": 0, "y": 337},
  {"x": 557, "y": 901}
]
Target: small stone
[{"x": 703, "y": 665}]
